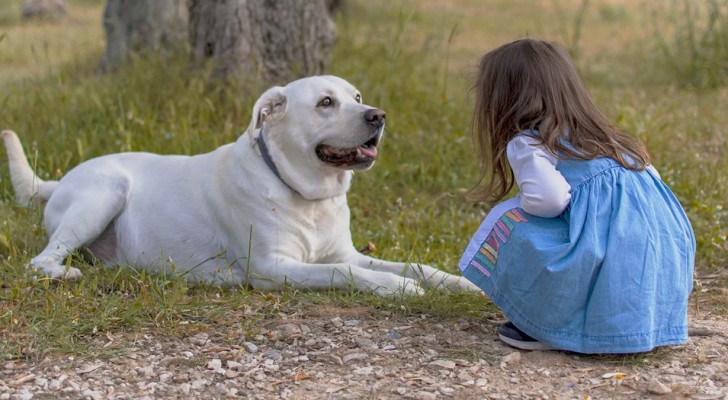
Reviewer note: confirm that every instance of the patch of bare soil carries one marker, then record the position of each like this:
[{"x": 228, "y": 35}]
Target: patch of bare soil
[{"x": 349, "y": 354}]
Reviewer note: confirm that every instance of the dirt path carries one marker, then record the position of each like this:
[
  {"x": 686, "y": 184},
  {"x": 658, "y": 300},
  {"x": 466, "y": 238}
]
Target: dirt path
[{"x": 351, "y": 354}]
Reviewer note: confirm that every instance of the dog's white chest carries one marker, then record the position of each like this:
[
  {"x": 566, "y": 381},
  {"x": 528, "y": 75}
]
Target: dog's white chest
[{"x": 315, "y": 230}]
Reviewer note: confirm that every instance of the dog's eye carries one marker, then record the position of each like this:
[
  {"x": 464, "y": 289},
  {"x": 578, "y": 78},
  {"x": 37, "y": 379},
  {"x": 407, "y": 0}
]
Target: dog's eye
[
  {"x": 326, "y": 102},
  {"x": 358, "y": 98}
]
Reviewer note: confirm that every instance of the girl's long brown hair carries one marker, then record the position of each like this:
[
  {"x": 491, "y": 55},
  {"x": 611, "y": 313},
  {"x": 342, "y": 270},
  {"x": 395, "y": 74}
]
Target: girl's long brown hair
[{"x": 532, "y": 84}]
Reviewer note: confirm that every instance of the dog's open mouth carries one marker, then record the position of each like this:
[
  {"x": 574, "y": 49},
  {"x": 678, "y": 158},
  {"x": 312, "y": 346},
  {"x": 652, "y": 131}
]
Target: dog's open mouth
[{"x": 361, "y": 156}]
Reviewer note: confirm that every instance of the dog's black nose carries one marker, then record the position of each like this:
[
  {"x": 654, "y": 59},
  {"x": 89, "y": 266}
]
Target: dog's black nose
[{"x": 375, "y": 117}]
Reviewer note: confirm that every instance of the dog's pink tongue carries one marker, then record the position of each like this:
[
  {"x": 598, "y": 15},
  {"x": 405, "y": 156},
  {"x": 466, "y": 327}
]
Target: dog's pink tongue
[{"x": 370, "y": 151}]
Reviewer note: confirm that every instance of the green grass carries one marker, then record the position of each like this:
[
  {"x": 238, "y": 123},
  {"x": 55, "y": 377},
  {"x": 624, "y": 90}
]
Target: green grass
[{"x": 414, "y": 60}]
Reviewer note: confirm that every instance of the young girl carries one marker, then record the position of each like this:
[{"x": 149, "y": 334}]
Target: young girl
[{"x": 594, "y": 254}]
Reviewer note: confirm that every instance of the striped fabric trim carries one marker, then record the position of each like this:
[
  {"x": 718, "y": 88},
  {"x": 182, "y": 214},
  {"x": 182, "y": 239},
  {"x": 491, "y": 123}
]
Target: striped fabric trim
[{"x": 485, "y": 259}]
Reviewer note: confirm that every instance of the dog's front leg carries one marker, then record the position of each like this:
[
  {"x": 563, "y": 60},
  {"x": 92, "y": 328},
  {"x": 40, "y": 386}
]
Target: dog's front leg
[
  {"x": 283, "y": 272},
  {"x": 428, "y": 276}
]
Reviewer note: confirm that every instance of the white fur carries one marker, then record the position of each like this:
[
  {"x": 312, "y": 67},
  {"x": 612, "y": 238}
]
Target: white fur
[{"x": 199, "y": 215}]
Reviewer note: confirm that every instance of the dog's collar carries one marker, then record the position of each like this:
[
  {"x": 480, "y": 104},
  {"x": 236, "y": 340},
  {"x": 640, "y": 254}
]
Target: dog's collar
[{"x": 268, "y": 159}]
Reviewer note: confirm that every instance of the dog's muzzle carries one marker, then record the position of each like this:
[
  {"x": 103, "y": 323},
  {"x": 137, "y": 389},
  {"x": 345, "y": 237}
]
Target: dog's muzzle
[{"x": 359, "y": 157}]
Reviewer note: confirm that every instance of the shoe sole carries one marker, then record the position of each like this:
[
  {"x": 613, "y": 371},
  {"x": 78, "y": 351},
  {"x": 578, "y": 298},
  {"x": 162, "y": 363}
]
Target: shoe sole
[{"x": 524, "y": 345}]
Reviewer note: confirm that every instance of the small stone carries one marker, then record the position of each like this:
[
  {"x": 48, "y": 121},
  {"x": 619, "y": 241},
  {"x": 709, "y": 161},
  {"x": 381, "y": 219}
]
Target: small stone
[
  {"x": 464, "y": 377},
  {"x": 147, "y": 371},
  {"x": 422, "y": 395},
  {"x": 337, "y": 322},
  {"x": 442, "y": 363},
  {"x": 55, "y": 384},
  {"x": 365, "y": 343},
  {"x": 394, "y": 335},
  {"x": 429, "y": 339},
  {"x": 400, "y": 391},
  {"x": 214, "y": 364},
  {"x": 94, "y": 394},
  {"x": 234, "y": 364},
  {"x": 654, "y": 386},
  {"x": 364, "y": 370},
  {"x": 24, "y": 395},
  {"x": 250, "y": 347},
  {"x": 447, "y": 391},
  {"x": 287, "y": 331},
  {"x": 201, "y": 339},
  {"x": 431, "y": 353},
  {"x": 199, "y": 383},
  {"x": 170, "y": 361},
  {"x": 512, "y": 358},
  {"x": 354, "y": 357},
  {"x": 186, "y": 388},
  {"x": 272, "y": 354}
]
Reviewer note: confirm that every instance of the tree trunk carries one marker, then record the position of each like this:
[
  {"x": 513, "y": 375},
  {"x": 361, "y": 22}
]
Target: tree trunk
[
  {"x": 273, "y": 40},
  {"x": 143, "y": 26},
  {"x": 44, "y": 8}
]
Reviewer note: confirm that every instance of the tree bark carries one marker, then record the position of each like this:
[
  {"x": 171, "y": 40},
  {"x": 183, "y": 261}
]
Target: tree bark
[
  {"x": 273, "y": 40},
  {"x": 43, "y": 8},
  {"x": 143, "y": 26}
]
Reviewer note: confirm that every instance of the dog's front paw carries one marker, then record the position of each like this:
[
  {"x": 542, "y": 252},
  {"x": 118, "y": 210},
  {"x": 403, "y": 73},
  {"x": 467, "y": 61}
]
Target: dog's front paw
[
  {"x": 55, "y": 271},
  {"x": 454, "y": 283},
  {"x": 460, "y": 284}
]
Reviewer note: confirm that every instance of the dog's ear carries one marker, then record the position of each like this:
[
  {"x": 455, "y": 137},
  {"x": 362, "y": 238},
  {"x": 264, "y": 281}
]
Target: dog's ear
[{"x": 270, "y": 105}]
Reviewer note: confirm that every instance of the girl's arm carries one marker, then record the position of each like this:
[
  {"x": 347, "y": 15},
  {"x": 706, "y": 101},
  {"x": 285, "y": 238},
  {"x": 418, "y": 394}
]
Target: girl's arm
[{"x": 544, "y": 191}]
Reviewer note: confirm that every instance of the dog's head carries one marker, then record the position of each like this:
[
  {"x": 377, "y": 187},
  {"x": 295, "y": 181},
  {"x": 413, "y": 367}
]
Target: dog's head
[{"x": 317, "y": 128}]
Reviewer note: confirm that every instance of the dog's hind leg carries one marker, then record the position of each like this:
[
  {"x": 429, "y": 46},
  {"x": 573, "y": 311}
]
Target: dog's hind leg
[{"x": 75, "y": 218}]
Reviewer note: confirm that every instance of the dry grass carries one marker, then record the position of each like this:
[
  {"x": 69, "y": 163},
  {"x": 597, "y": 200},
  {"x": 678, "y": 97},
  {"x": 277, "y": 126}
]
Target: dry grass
[{"x": 37, "y": 48}]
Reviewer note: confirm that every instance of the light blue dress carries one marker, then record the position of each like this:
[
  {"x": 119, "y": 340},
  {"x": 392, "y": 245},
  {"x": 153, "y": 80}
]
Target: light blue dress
[{"x": 611, "y": 274}]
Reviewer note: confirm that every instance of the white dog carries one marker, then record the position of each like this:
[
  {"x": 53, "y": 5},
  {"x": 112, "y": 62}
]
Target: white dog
[{"x": 268, "y": 211}]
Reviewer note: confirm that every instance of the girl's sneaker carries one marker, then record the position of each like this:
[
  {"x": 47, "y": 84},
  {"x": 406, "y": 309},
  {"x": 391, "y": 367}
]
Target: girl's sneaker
[{"x": 515, "y": 337}]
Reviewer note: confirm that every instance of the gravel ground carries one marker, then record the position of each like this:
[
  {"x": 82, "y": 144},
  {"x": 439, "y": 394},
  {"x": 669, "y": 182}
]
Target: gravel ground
[{"x": 356, "y": 353}]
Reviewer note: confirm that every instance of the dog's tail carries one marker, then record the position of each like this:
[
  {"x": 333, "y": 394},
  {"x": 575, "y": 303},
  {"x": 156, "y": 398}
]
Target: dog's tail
[{"x": 26, "y": 184}]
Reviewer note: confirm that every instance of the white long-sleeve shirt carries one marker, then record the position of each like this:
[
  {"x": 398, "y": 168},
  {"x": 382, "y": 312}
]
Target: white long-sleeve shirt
[{"x": 543, "y": 190}]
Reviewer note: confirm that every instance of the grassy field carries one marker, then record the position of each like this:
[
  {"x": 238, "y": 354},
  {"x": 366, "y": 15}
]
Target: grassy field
[{"x": 415, "y": 60}]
